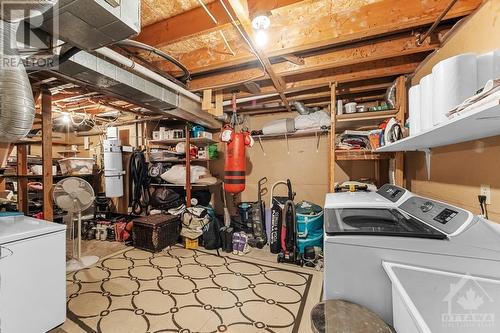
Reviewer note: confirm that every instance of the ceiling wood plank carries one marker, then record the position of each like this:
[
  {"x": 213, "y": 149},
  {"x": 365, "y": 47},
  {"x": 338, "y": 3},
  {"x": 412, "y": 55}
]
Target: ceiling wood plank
[
  {"x": 240, "y": 7},
  {"x": 379, "y": 18},
  {"x": 398, "y": 45},
  {"x": 196, "y": 21}
]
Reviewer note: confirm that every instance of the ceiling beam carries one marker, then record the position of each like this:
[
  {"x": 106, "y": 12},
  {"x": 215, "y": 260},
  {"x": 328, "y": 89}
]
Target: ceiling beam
[
  {"x": 240, "y": 8},
  {"x": 389, "y": 47},
  {"x": 196, "y": 21},
  {"x": 375, "y": 19}
]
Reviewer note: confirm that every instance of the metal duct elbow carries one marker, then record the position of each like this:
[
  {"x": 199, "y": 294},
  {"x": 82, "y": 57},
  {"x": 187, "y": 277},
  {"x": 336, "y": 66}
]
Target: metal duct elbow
[
  {"x": 302, "y": 109},
  {"x": 390, "y": 96},
  {"x": 17, "y": 107}
]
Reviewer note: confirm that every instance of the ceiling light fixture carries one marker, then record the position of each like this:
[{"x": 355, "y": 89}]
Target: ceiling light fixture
[
  {"x": 260, "y": 24},
  {"x": 261, "y": 38},
  {"x": 66, "y": 118}
]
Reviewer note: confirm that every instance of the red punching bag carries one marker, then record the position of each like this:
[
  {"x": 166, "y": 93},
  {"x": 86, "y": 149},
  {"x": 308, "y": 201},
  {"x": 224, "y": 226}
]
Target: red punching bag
[{"x": 236, "y": 164}]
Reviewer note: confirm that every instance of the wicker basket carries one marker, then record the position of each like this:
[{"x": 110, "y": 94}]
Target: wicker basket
[{"x": 156, "y": 232}]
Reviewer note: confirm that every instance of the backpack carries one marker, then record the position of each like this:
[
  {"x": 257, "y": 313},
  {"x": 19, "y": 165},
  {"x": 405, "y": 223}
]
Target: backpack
[{"x": 211, "y": 234}]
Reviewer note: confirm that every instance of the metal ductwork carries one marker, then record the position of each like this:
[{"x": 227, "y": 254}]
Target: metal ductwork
[
  {"x": 302, "y": 109},
  {"x": 108, "y": 77},
  {"x": 17, "y": 107},
  {"x": 91, "y": 24}
]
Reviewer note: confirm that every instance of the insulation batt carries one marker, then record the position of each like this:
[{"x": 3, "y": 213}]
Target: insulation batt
[
  {"x": 279, "y": 126},
  {"x": 312, "y": 121}
]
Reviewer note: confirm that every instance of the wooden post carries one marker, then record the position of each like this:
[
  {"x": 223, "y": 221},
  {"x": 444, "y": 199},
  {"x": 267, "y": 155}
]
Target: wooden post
[
  {"x": 206, "y": 102},
  {"x": 219, "y": 101},
  {"x": 22, "y": 180},
  {"x": 402, "y": 104},
  {"x": 331, "y": 136},
  {"x": 47, "y": 180},
  {"x": 188, "y": 167}
]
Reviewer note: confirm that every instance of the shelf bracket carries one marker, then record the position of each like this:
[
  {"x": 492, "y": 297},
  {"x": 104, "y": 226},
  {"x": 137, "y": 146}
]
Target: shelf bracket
[
  {"x": 287, "y": 146},
  {"x": 261, "y": 146},
  {"x": 428, "y": 157},
  {"x": 317, "y": 141}
]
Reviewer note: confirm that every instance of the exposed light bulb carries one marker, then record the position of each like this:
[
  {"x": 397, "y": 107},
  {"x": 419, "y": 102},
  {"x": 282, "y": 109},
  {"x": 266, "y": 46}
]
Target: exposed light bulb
[
  {"x": 261, "y": 22},
  {"x": 66, "y": 118},
  {"x": 261, "y": 38}
]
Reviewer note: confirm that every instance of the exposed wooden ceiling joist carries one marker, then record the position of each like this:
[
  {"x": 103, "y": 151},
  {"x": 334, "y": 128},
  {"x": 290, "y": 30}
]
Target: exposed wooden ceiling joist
[
  {"x": 397, "y": 45},
  {"x": 197, "y": 21},
  {"x": 316, "y": 30},
  {"x": 240, "y": 8}
]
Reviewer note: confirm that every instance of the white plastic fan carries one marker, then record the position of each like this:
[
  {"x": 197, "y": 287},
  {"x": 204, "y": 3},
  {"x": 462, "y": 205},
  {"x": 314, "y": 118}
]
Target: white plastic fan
[{"x": 74, "y": 195}]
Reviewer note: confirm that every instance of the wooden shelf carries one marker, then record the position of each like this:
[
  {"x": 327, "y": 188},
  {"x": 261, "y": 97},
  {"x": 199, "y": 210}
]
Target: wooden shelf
[
  {"x": 473, "y": 123},
  {"x": 297, "y": 134},
  {"x": 54, "y": 176},
  {"x": 361, "y": 155},
  {"x": 363, "y": 120},
  {"x": 194, "y": 141},
  {"x": 39, "y": 142},
  {"x": 182, "y": 160},
  {"x": 184, "y": 185}
]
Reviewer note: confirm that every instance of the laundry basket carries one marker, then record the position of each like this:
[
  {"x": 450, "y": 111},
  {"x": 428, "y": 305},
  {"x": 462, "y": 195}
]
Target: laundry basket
[{"x": 310, "y": 222}]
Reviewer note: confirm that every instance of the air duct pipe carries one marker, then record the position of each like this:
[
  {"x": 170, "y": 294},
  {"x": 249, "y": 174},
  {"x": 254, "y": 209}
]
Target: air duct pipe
[
  {"x": 17, "y": 107},
  {"x": 141, "y": 70},
  {"x": 302, "y": 109}
]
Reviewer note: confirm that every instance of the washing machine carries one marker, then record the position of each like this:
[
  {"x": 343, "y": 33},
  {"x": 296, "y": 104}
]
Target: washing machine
[{"x": 364, "y": 230}]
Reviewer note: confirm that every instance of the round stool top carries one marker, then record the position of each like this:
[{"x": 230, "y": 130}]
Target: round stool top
[{"x": 338, "y": 316}]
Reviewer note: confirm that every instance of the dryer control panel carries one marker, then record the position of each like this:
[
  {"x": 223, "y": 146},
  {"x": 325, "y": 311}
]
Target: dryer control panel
[
  {"x": 391, "y": 192},
  {"x": 441, "y": 216}
]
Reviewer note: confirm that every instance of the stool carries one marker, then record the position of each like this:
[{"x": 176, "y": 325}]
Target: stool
[{"x": 338, "y": 316}]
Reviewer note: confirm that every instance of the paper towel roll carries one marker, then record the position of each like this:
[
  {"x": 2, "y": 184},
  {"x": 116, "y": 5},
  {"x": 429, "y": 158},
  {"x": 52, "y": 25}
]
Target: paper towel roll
[
  {"x": 455, "y": 80},
  {"x": 484, "y": 69},
  {"x": 496, "y": 64},
  {"x": 414, "y": 109},
  {"x": 426, "y": 102}
]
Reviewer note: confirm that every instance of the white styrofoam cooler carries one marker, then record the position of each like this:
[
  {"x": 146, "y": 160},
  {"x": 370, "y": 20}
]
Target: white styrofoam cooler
[{"x": 32, "y": 275}]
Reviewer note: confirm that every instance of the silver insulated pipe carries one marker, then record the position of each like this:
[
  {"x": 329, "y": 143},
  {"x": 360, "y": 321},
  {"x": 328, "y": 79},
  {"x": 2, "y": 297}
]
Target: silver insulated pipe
[{"x": 17, "y": 107}]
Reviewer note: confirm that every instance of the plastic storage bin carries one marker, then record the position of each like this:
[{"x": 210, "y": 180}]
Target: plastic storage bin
[{"x": 76, "y": 166}]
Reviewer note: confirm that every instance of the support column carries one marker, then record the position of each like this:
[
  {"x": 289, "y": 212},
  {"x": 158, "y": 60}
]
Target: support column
[
  {"x": 47, "y": 180},
  {"x": 402, "y": 104},
  {"x": 188, "y": 167},
  {"x": 331, "y": 137},
  {"x": 22, "y": 180}
]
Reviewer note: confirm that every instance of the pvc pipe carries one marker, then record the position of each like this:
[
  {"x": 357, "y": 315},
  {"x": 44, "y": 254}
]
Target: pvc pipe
[
  {"x": 135, "y": 67},
  {"x": 249, "y": 99}
]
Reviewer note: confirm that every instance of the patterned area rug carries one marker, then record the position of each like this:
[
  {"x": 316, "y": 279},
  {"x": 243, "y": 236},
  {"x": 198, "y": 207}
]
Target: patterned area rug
[{"x": 181, "y": 290}]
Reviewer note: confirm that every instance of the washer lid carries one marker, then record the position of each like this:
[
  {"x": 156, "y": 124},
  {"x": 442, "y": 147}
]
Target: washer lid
[
  {"x": 15, "y": 228},
  {"x": 377, "y": 222},
  {"x": 355, "y": 199}
]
